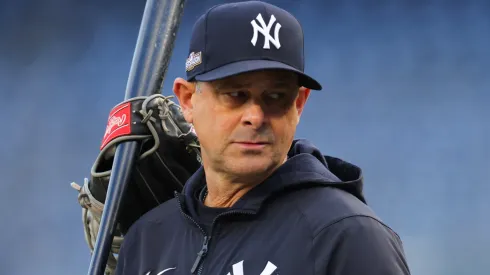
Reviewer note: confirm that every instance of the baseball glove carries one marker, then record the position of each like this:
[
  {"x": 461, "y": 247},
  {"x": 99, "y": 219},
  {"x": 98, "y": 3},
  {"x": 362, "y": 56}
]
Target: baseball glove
[{"x": 169, "y": 154}]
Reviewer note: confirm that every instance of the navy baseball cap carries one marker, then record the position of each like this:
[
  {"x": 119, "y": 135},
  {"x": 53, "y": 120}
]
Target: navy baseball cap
[{"x": 235, "y": 38}]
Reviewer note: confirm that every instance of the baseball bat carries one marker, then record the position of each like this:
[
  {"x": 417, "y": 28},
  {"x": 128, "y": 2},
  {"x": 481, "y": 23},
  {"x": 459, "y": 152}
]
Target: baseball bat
[{"x": 154, "y": 47}]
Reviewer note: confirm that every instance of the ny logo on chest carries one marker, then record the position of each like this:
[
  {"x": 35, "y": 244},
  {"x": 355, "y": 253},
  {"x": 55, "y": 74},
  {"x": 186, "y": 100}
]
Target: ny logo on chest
[{"x": 238, "y": 269}]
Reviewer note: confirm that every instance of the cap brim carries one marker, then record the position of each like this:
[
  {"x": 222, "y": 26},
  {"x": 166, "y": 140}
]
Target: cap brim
[{"x": 256, "y": 65}]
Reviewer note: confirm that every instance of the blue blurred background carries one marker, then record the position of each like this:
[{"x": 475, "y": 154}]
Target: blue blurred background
[{"x": 406, "y": 95}]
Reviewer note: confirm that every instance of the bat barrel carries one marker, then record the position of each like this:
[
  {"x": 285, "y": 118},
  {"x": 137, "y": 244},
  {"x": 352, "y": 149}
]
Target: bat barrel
[{"x": 154, "y": 47}]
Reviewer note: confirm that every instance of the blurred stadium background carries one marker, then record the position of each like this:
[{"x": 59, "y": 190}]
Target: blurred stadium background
[{"x": 406, "y": 95}]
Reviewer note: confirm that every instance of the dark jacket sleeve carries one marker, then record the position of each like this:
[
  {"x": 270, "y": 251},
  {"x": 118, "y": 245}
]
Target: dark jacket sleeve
[
  {"x": 359, "y": 245},
  {"x": 121, "y": 258},
  {"x": 125, "y": 252}
]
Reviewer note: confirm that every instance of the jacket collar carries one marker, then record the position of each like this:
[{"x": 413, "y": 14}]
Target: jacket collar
[{"x": 306, "y": 167}]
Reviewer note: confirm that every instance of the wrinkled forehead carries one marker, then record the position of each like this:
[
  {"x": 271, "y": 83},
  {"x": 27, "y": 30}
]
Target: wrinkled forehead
[{"x": 260, "y": 79}]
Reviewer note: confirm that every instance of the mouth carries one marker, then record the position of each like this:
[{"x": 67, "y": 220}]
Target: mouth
[{"x": 251, "y": 144}]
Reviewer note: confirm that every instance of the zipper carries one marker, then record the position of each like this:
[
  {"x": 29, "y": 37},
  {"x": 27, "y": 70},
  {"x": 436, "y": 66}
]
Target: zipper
[
  {"x": 204, "y": 249},
  {"x": 200, "y": 256},
  {"x": 198, "y": 263}
]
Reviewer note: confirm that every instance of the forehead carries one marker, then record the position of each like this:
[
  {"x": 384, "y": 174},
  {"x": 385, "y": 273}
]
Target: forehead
[{"x": 268, "y": 78}]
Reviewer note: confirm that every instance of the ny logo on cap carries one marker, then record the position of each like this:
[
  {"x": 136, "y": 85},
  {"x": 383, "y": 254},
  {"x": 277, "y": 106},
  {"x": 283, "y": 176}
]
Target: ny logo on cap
[{"x": 265, "y": 31}]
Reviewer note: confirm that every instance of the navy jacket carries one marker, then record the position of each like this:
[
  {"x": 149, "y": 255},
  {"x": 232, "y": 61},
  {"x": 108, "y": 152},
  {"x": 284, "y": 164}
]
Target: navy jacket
[{"x": 309, "y": 217}]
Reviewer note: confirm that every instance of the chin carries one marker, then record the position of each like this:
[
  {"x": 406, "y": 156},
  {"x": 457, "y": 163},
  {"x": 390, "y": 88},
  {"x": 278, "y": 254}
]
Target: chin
[{"x": 252, "y": 165}]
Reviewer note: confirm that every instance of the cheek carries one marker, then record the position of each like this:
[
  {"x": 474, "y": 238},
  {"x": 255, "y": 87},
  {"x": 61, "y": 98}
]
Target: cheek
[
  {"x": 212, "y": 124},
  {"x": 285, "y": 128},
  {"x": 223, "y": 125},
  {"x": 201, "y": 123}
]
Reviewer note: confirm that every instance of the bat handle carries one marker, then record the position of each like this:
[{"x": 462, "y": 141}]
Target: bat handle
[{"x": 124, "y": 159}]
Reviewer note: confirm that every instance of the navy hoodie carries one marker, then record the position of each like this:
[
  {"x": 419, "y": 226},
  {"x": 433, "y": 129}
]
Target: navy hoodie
[{"x": 308, "y": 217}]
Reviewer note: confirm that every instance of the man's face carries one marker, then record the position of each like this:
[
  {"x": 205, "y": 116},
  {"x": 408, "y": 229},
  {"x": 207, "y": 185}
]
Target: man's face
[{"x": 245, "y": 123}]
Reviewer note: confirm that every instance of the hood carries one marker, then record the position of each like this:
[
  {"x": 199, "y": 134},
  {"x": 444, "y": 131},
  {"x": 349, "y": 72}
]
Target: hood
[{"x": 306, "y": 167}]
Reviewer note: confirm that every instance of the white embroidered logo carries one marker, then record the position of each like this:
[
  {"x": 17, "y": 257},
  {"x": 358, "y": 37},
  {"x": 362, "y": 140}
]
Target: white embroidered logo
[
  {"x": 193, "y": 60},
  {"x": 238, "y": 269},
  {"x": 115, "y": 121},
  {"x": 163, "y": 271},
  {"x": 265, "y": 31}
]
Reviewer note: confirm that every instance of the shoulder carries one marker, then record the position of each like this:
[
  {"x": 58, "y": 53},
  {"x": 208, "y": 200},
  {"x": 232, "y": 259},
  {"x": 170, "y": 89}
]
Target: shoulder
[
  {"x": 155, "y": 219},
  {"x": 153, "y": 225},
  {"x": 360, "y": 245},
  {"x": 347, "y": 236},
  {"x": 162, "y": 214},
  {"x": 322, "y": 207},
  {"x": 150, "y": 229}
]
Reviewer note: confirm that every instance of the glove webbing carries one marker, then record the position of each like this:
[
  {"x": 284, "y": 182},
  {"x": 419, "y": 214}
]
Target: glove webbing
[{"x": 91, "y": 214}]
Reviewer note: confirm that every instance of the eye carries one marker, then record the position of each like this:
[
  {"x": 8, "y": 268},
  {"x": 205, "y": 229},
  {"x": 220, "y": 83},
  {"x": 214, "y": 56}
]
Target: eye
[
  {"x": 233, "y": 98},
  {"x": 234, "y": 94},
  {"x": 237, "y": 94},
  {"x": 275, "y": 96}
]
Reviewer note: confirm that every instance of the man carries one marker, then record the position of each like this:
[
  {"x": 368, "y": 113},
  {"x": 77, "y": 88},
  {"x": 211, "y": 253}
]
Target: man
[{"x": 262, "y": 203}]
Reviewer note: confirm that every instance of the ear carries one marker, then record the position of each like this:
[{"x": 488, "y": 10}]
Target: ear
[
  {"x": 303, "y": 95},
  {"x": 184, "y": 91}
]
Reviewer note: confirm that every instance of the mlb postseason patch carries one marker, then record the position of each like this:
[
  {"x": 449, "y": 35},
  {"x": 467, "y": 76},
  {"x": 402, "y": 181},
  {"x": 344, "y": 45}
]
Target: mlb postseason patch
[{"x": 193, "y": 60}]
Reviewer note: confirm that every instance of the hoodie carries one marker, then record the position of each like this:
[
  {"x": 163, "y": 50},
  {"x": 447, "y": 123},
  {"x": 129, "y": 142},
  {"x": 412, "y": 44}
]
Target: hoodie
[{"x": 309, "y": 217}]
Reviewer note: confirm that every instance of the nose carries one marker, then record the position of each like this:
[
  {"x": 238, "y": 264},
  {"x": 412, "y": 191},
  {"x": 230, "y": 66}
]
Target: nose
[{"x": 254, "y": 115}]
